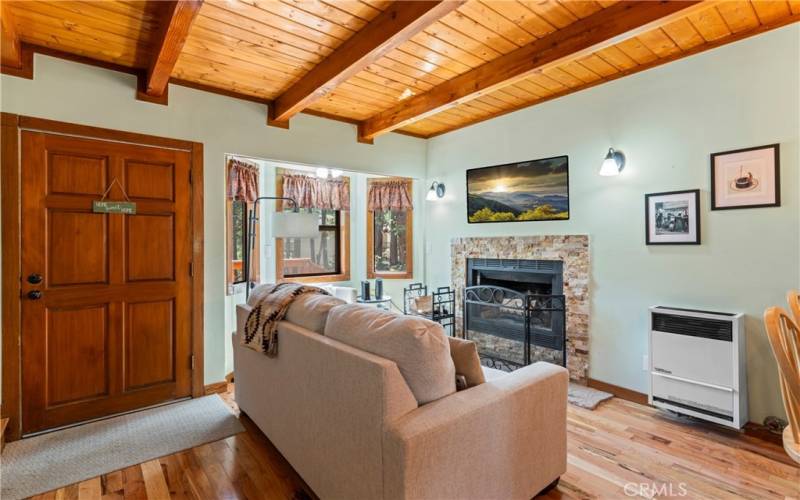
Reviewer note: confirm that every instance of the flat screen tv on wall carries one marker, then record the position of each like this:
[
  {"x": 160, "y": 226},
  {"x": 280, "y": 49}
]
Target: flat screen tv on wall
[{"x": 533, "y": 190}]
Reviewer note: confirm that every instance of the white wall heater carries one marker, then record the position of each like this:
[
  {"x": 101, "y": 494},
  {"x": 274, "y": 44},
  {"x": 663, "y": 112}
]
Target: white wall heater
[{"x": 697, "y": 364}]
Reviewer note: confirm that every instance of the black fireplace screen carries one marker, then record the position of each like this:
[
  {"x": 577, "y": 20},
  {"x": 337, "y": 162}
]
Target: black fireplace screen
[{"x": 512, "y": 329}]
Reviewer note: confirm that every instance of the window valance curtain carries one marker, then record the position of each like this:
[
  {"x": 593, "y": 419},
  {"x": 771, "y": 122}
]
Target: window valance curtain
[
  {"x": 242, "y": 181},
  {"x": 389, "y": 194},
  {"x": 314, "y": 192}
]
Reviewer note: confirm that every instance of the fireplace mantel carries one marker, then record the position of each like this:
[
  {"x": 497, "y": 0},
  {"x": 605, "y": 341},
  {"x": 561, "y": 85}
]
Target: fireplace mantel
[{"x": 572, "y": 250}]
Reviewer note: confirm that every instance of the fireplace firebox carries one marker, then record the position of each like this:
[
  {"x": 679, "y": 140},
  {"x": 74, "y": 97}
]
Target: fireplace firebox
[
  {"x": 544, "y": 277},
  {"x": 515, "y": 310}
]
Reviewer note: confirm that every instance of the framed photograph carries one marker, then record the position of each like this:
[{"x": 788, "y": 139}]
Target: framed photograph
[
  {"x": 673, "y": 218},
  {"x": 746, "y": 178},
  {"x": 535, "y": 190}
]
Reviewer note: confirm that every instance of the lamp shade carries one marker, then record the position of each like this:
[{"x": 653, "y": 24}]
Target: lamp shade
[
  {"x": 294, "y": 225},
  {"x": 613, "y": 163},
  {"x": 436, "y": 192}
]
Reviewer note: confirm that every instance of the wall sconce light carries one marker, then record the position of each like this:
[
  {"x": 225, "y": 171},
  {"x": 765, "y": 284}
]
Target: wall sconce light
[
  {"x": 613, "y": 164},
  {"x": 436, "y": 192}
]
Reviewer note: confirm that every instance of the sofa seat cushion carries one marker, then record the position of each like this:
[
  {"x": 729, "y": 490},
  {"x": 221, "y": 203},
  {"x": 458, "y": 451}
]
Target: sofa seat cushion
[
  {"x": 493, "y": 373},
  {"x": 418, "y": 346},
  {"x": 309, "y": 311},
  {"x": 466, "y": 360}
]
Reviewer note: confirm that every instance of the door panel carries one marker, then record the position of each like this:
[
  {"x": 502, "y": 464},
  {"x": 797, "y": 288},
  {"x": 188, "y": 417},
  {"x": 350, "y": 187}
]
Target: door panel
[
  {"x": 77, "y": 338},
  {"x": 150, "y": 180},
  {"x": 77, "y": 248},
  {"x": 74, "y": 174},
  {"x": 149, "y": 341},
  {"x": 150, "y": 245},
  {"x": 111, "y": 330}
]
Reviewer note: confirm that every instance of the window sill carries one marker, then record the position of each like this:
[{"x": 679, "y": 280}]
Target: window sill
[
  {"x": 390, "y": 276},
  {"x": 326, "y": 278}
]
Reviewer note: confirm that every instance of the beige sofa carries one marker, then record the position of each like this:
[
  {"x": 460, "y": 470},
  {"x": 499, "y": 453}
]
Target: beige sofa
[{"x": 349, "y": 424}]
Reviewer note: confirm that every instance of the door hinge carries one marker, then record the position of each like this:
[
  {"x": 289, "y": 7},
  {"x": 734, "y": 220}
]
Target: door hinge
[
  {"x": 190, "y": 176},
  {"x": 191, "y": 269},
  {"x": 191, "y": 361}
]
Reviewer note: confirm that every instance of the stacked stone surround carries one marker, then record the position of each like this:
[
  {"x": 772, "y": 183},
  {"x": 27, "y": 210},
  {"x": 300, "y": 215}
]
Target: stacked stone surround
[{"x": 572, "y": 250}]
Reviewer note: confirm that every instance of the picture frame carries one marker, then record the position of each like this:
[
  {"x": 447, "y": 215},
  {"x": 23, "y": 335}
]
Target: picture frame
[
  {"x": 526, "y": 191},
  {"x": 672, "y": 218},
  {"x": 746, "y": 178}
]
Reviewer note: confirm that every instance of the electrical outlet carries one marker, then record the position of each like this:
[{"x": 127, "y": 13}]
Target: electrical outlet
[{"x": 645, "y": 362}]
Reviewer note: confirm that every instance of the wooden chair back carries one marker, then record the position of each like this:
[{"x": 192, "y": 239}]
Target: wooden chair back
[
  {"x": 784, "y": 337},
  {"x": 793, "y": 298}
]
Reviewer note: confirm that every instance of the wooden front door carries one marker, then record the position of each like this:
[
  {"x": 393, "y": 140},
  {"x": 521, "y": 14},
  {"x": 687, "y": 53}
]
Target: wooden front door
[{"x": 106, "y": 297}]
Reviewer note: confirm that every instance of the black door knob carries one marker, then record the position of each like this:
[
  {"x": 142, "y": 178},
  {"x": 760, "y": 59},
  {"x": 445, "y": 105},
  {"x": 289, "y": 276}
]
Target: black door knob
[
  {"x": 34, "y": 295},
  {"x": 35, "y": 279}
]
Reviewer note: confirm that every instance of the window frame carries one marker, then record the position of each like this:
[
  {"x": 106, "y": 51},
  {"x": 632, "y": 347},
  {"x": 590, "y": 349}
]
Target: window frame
[
  {"x": 342, "y": 242},
  {"x": 238, "y": 287},
  {"x": 409, "y": 272}
]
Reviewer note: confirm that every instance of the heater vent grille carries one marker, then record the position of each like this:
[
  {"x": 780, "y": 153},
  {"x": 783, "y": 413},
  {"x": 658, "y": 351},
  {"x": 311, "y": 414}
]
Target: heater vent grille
[{"x": 714, "y": 329}]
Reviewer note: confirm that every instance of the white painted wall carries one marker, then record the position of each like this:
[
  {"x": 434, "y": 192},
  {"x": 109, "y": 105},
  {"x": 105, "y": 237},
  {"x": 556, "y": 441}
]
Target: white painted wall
[
  {"x": 667, "y": 121},
  {"x": 87, "y": 95}
]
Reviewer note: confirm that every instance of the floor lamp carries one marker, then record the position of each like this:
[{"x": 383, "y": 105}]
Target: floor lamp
[{"x": 284, "y": 225}]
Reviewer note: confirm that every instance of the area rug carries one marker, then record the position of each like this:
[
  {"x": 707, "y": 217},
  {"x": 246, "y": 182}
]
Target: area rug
[
  {"x": 586, "y": 397},
  {"x": 43, "y": 463}
]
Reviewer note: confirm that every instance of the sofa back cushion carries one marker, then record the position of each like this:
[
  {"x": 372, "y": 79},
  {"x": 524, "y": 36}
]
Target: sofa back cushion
[
  {"x": 466, "y": 360},
  {"x": 309, "y": 310},
  {"x": 418, "y": 346}
]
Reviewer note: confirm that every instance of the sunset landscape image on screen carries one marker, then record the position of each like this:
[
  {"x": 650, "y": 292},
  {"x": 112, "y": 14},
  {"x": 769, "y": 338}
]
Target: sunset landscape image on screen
[{"x": 527, "y": 191}]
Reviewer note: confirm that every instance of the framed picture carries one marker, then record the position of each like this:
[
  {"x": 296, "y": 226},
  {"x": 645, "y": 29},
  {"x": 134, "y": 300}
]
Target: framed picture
[
  {"x": 535, "y": 190},
  {"x": 673, "y": 218},
  {"x": 746, "y": 178}
]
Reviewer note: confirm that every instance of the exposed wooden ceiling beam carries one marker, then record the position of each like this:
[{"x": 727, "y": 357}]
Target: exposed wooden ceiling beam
[
  {"x": 607, "y": 27},
  {"x": 395, "y": 25},
  {"x": 10, "y": 50},
  {"x": 175, "y": 24}
]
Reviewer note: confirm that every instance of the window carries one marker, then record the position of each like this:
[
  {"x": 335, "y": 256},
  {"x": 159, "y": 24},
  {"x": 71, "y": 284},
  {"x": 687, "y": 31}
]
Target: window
[
  {"x": 389, "y": 241},
  {"x": 323, "y": 258},
  {"x": 237, "y": 243},
  {"x": 236, "y": 226},
  {"x": 319, "y": 256}
]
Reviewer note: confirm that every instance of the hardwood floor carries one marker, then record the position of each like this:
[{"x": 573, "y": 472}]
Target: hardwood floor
[{"x": 620, "y": 450}]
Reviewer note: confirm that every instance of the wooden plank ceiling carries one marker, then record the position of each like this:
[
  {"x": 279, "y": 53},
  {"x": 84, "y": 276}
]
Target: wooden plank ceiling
[{"x": 413, "y": 67}]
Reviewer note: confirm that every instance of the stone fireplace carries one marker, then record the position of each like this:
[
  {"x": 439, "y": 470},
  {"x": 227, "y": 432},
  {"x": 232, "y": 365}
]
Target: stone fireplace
[{"x": 535, "y": 264}]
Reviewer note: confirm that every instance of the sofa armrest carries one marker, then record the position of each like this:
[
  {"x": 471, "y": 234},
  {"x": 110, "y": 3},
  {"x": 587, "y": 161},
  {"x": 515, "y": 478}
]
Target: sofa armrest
[{"x": 505, "y": 438}]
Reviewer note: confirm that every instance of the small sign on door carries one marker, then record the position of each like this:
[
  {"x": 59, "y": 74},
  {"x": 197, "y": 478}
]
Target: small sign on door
[{"x": 114, "y": 207}]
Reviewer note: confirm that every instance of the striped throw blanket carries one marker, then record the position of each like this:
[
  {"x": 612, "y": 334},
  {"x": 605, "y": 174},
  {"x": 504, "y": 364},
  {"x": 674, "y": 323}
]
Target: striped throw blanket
[{"x": 261, "y": 328}]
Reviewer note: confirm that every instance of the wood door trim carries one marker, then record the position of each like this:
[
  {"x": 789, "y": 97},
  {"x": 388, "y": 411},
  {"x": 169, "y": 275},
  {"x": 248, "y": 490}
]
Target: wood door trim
[
  {"x": 12, "y": 125},
  {"x": 198, "y": 245},
  {"x": 72, "y": 129},
  {"x": 11, "y": 402}
]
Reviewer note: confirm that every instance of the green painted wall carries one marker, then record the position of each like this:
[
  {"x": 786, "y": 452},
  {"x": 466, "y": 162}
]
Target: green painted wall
[
  {"x": 88, "y": 95},
  {"x": 667, "y": 121}
]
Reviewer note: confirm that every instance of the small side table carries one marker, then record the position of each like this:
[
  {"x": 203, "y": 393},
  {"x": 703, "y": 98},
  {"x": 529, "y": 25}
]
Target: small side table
[{"x": 384, "y": 302}]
